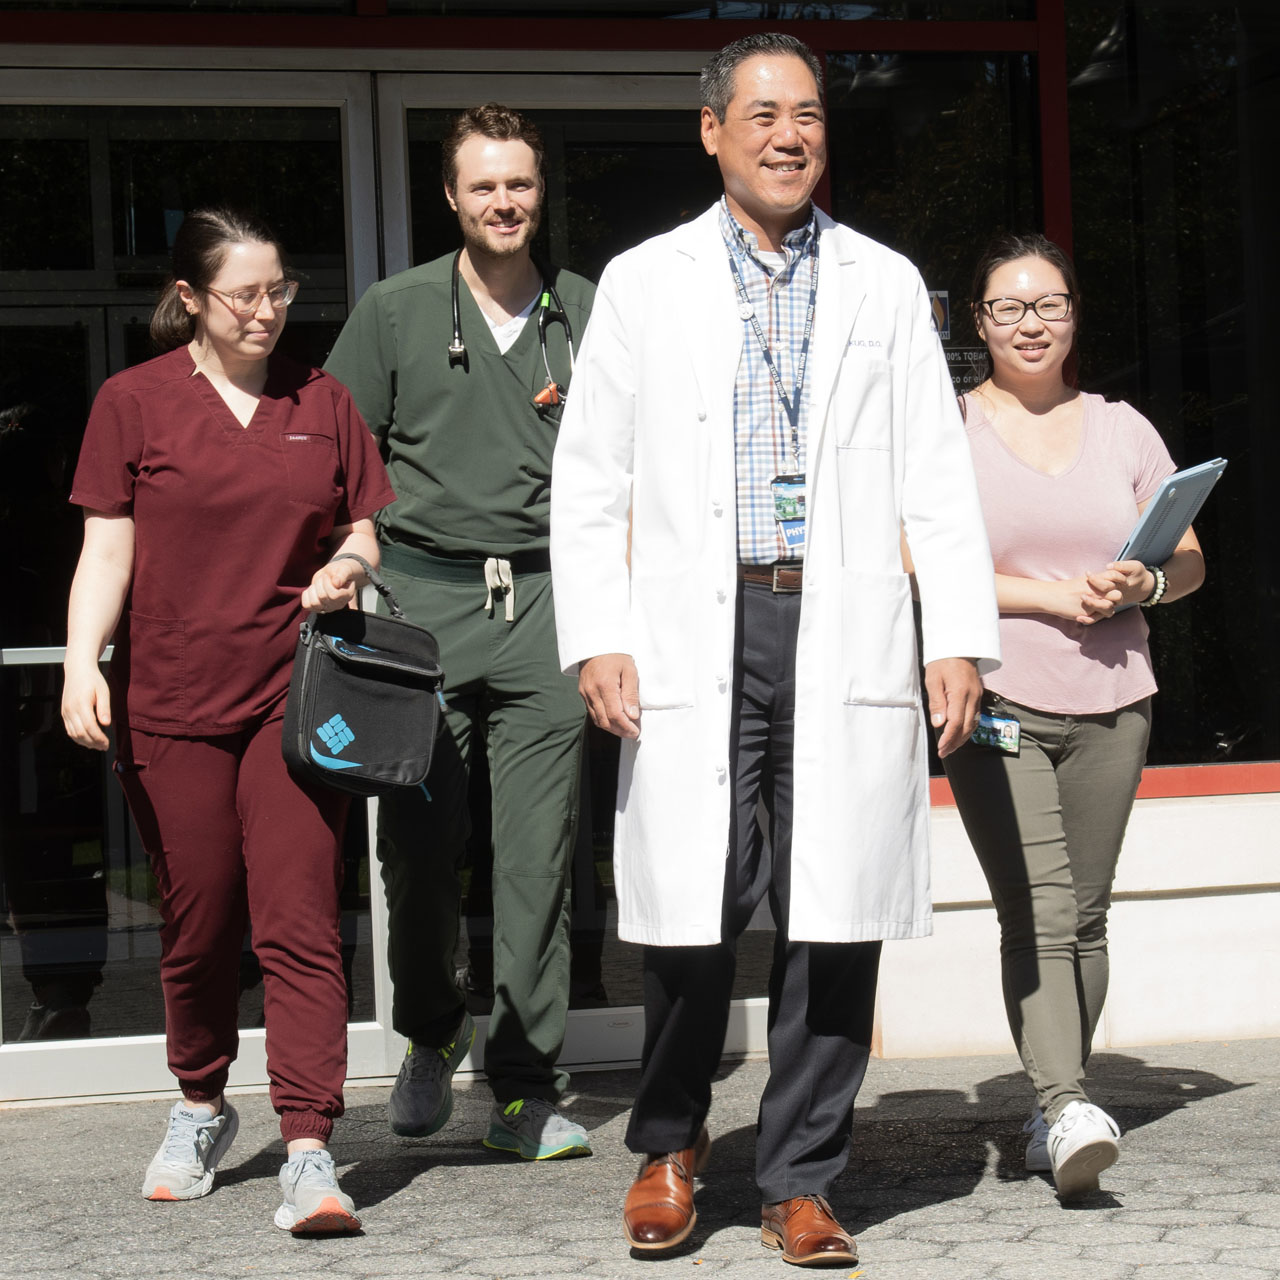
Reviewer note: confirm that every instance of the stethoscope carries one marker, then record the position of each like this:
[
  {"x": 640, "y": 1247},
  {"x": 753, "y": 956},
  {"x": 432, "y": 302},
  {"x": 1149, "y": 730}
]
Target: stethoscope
[{"x": 550, "y": 311}]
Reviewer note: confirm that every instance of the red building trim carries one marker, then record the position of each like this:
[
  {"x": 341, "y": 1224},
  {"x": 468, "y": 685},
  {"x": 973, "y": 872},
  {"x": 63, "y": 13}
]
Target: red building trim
[
  {"x": 1163, "y": 781},
  {"x": 372, "y": 28}
]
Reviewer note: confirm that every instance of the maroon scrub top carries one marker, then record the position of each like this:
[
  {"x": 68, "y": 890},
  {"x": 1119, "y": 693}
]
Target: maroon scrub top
[{"x": 230, "y": 524}]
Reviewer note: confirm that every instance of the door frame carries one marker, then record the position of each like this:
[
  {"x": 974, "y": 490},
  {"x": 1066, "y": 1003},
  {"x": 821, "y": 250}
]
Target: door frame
[{"x": 44, "y": 1070}]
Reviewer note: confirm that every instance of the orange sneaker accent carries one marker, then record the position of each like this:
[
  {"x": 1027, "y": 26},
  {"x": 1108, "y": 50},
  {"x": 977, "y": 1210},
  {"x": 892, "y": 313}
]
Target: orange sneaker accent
[
  {"x": 329, "y": 1216},
  {"x": 162, "y": 1193}
]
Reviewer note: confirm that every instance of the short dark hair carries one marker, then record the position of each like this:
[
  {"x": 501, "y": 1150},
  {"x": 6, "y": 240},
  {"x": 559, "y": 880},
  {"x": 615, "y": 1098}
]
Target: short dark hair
[
  {"x": 200, "y": 248},
  {"x": 492, "y": 120},
  {"x": 716, "y": 83},
  {"x": 1009, "y": 247}
]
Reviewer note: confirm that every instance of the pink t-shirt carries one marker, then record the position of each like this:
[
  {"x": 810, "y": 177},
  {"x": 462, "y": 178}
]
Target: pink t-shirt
[{"x": 1057, "y": 527}]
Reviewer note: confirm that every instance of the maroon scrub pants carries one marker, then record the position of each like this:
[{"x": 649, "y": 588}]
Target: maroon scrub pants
[{"x": 232, "y": 837}]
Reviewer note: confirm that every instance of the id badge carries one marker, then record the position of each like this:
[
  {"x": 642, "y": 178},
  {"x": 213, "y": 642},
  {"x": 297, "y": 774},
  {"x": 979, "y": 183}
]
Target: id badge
[
  {"x": 788, "y": 509},
  {"x": 999, "y": 732}
]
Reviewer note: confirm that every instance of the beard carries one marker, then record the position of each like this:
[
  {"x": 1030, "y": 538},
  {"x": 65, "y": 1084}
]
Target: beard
[{"x": 480, "y": 242}]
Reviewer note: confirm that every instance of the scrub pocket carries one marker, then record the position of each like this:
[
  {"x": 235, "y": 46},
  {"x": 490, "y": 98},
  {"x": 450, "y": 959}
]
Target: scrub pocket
[
  {"x": 157, "y": 678},
  {"x": 311, "y": 460}
]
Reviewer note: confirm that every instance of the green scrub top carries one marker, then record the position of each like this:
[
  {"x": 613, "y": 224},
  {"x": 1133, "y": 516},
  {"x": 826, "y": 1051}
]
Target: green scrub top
[{"x": 468, "y": 453}]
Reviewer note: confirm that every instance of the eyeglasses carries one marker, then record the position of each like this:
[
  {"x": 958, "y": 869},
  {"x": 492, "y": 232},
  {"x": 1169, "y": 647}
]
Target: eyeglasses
[
  {"x": 245, "y": 302},
  {"x": 1049, "y": 306}
]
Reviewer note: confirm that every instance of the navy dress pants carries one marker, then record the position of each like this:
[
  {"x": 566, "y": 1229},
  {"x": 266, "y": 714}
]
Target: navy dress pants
[{"x": 821, "y": 995}]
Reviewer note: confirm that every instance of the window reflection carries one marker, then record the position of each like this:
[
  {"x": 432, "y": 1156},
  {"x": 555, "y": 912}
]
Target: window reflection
[
  {"x": 613, "y": 180},
  {"x": 1172, "y": 111},
  {"x": 79, "y": 914},
  {"x": 94, "y": 196},
  {"x": 732, "y": 10}
]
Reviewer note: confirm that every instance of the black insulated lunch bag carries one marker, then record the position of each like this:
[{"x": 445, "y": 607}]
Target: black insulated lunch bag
[{"x": 364, "y": 701}]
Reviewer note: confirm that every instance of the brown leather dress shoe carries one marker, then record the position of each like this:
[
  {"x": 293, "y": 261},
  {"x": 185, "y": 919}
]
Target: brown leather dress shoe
[
  {"x": 658, "y": 1213},
  {"x": 806, "y": 1231}
]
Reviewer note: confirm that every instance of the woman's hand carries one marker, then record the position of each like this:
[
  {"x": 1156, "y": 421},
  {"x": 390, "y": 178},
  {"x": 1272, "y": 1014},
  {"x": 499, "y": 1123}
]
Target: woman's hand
[
  {"x": 86, "y": 705},
  {"x": 1071, "y": 599},
  {"x": 97, "y": 597},
  {"x": 334, "y": 586},
  {"x": 1122, "y": 582}
]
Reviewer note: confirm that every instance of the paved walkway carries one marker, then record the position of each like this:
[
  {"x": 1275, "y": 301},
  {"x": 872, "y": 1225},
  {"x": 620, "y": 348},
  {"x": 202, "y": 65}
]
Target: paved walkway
[{"x": 935, "y": 1191}]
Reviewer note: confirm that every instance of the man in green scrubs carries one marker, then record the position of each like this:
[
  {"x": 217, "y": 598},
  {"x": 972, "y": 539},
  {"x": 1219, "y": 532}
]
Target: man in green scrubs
[{"x": 467, "y": 413}]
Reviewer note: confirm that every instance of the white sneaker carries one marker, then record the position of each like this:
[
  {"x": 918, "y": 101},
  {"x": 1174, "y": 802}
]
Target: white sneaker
[
  {"x": 183, "y": 1167},
  {"x": 1037, "y": 1160},
  {"x": 314, "y": 1204},
  {"x": 1082, "y": 1143}
]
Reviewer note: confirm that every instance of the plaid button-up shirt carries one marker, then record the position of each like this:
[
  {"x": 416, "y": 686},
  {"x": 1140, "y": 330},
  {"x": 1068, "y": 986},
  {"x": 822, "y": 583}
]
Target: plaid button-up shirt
[{"x": 761, "y": 431}]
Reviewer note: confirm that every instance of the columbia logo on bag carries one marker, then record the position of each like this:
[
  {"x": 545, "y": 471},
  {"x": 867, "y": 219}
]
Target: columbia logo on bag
[
  {"x": 384, "y": 672},
  {"x": 336, "y": 734}
]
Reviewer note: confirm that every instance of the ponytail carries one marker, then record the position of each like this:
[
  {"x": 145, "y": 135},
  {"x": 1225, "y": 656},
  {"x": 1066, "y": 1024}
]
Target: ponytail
[
  {"x": 172, "y": 326},
  {"x": 200, "y": 248}
]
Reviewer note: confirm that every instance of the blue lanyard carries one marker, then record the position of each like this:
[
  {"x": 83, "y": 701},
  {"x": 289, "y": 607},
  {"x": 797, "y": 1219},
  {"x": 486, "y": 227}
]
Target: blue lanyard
[{"x": 747, "y": 311}]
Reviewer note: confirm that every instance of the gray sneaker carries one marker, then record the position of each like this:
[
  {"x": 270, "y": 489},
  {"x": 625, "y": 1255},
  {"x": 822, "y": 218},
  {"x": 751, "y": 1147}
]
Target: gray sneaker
[
  {"x": 421, "y": 1100},
  {"x": 1037, "y": 1131},
  {"x": 183, "y": 1167},
  {"x": 314, "y": 1204},
  {"x": 534, "y": 1130}
]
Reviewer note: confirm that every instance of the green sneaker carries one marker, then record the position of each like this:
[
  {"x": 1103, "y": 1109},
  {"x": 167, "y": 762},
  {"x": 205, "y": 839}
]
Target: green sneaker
[
  {"x": 534, "y": 1130},
  {"x": 421, "y": 1100}
]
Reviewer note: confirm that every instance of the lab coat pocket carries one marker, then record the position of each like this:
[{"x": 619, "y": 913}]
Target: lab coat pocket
[
  {"x": 878, "y": 640},
  {"x": 663, "y": 642},
  {"x": 864, "y": 402},
  {"x": 311, "y": 460}
]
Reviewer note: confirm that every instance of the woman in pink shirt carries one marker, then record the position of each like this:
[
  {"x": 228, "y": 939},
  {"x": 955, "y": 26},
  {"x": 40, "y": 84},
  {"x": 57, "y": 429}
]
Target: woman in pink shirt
[{"x": 1063, "y": 476}]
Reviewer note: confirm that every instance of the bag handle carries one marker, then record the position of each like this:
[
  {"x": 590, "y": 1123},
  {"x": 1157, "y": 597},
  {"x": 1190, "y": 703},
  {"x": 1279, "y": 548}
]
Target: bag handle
[{"x": 375, "y": 581}]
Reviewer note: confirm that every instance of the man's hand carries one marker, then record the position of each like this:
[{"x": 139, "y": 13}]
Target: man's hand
[
  {"x": 611, "y": 690},
  {"x": 954, "y": 691}
]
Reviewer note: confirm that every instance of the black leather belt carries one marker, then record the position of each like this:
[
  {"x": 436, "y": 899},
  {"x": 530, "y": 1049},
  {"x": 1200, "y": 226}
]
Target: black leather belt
[{"x": 785, "y": 576}]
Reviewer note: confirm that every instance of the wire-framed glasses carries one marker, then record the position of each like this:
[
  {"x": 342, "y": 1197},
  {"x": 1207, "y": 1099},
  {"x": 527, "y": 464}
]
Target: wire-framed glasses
[
  {"x": 245, "y": 302},
  {"x": 1049, "y": 306}
]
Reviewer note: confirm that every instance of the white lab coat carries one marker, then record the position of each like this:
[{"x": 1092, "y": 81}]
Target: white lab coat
[{"x": 648, "y": 433}]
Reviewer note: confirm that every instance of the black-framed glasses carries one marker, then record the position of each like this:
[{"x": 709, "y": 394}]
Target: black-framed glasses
[
  {"x": 1049, "y": 306},
  {"x": 245, "y": 302}
]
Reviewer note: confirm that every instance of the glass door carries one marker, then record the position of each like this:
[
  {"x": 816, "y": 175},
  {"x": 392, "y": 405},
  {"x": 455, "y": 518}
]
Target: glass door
[
  {"x": 97, "y": 190},
  {"x": 624, "y": 162}
]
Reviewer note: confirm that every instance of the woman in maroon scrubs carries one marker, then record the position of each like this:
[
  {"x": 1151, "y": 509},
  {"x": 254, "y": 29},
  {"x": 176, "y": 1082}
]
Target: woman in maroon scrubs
[{"x": 218, "y": 482}]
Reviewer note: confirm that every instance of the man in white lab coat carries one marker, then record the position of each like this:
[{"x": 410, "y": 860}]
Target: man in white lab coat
[{"x": 761, "y": 410}]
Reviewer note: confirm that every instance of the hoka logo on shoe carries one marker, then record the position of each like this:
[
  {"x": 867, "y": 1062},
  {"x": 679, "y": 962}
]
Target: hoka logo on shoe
[{"x": 336, "y": 734}]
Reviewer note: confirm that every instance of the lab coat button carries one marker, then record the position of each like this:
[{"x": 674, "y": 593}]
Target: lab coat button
[
  {"x": 722, "y": 595},
  {"x": 722, "y": 774},
  {"x": 702, "y": 415}
]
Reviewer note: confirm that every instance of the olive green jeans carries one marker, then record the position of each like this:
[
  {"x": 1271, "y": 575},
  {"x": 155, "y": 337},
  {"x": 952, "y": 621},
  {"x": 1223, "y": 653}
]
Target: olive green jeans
[{"x": 1047, "y": 825}]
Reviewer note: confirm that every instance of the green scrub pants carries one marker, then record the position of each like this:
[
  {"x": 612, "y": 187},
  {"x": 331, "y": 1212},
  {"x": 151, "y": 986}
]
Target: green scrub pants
[{"x": 502, "y": 679}]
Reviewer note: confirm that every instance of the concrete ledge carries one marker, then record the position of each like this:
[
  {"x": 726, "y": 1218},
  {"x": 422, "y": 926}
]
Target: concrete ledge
[{"x": 1195, "y": 951}]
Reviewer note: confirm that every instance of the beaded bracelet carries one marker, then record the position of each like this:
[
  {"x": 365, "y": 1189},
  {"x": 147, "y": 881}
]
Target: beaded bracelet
[{"x": 1157, "y": 592}]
